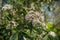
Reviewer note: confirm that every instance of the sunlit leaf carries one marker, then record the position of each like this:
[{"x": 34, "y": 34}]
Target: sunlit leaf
[{"x": 49, "y": 25}]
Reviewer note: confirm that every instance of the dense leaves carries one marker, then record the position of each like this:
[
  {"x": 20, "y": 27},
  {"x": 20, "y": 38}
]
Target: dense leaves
[{"x": 30, "y": 20}]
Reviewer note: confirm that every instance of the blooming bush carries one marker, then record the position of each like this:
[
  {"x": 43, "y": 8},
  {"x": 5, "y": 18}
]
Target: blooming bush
[{"x": 30, "y": 20}]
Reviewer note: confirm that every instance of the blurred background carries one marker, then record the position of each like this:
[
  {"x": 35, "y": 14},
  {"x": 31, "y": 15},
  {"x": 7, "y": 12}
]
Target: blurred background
[{"x": 30, "y": 20}]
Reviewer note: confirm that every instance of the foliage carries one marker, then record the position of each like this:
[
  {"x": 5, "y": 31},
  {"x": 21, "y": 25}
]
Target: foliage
[{"x": 30, "y": 20}]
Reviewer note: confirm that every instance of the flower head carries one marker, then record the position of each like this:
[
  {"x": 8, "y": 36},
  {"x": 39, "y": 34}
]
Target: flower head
[
  {"x": 11, "y": 25},
  {"x": 7, "y": 7},
  {"x": 31, "y": 15},
  {"x": 34, "y": 17},
  {"x": 53, "y": 34}
]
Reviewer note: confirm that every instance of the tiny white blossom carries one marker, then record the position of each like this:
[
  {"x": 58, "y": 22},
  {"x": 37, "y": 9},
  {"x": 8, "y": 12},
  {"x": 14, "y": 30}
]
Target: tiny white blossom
[
  {"x": 11, "y": 25},
  {"x": 36, "y": 22},
  {"x": 53, "y": 34},
  {"x": 14, "y": 23},
  {"x": 7, "y": 7},
  {"x": 43, "y": 26}
]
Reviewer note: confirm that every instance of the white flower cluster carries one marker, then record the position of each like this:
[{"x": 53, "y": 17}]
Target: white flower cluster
[
  {"x": 11, "y": 25},
  {"x": 7, "y": 7},
  {"x": 34, "y": 17},
  {"x": 53, "y": 34}
]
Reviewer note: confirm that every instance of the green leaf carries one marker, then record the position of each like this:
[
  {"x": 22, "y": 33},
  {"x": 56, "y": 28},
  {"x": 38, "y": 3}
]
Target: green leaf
[
  {"x": 46, "y": 38},
  {"x": 49, "y": 25},
  {"x": 14, "y": 37}
]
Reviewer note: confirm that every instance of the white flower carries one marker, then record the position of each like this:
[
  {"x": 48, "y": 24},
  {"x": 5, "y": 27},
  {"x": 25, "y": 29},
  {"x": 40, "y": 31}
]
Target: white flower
[
  {"x": 7, "y": 7},
  {"x": 36, "y": 22},
  {"x": 53, "y": 34},
  {"x": 43, "y": 25},
  {"x": 11, "y": 25},
  {"x": 32, "y": 15},
  {"x": 35, "y": 17},
  {"x": 14, "y": 23}
]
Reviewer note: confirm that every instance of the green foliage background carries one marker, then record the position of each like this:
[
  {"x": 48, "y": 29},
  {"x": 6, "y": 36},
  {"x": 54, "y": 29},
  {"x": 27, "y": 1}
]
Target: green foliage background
[{"x": 24, "y": 30}]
